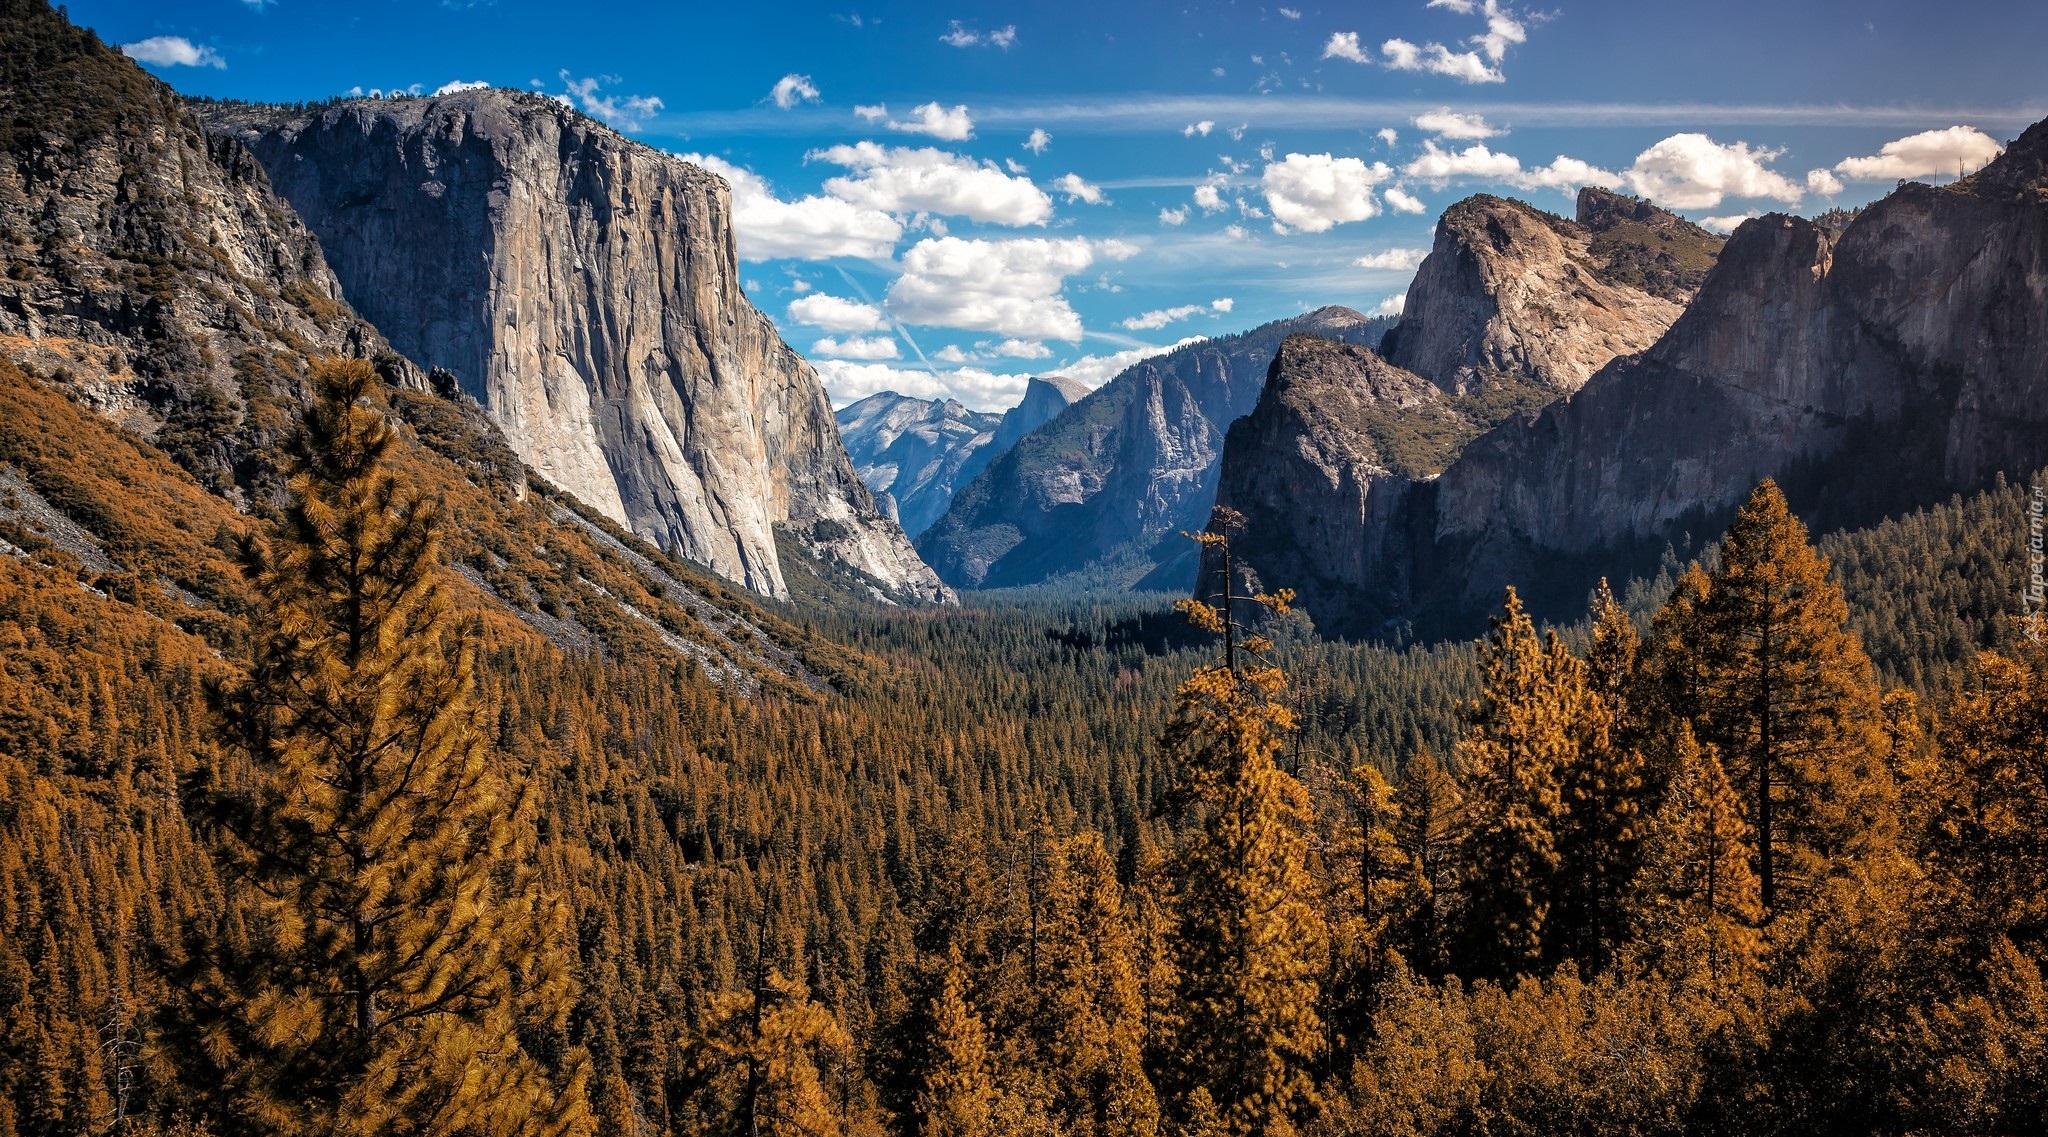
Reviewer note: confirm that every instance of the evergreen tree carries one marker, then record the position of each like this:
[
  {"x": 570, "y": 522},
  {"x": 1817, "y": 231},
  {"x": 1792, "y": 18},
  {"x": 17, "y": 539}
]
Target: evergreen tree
[
  {"x": 387, "y": 952},
  {"x": 1786, "y": 696},
  {"x": 1371, "y": 873},
  {"x": 1700, "y": 908},
  {"x": 1600, "y": 833},
  {"x": 1428, "y": 828},
  {"x": 764, "y": 1053},
  {"x": 1524, "y": 734},
  {"x": 1250, "y": 939},
  {"x": 958, "y": 1096}
]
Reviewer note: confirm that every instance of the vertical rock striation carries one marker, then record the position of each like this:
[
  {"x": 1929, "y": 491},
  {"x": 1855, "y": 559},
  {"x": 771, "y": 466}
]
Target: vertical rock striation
[{"x": 586, "y": 290}]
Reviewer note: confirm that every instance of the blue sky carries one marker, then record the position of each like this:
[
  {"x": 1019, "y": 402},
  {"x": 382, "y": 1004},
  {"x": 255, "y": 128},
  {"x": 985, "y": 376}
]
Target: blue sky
[{"x": 947, "y": 198}]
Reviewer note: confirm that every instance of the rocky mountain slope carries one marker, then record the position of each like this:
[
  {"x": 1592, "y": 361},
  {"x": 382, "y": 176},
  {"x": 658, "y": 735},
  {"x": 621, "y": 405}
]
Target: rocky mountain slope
[
  {"x": 915, "y": 453},
  {"x": 1512, "y": 309},
  {"x": 1870, "y": 367},
  {"x": 585, "y": 290},
  {"x": 1102, "y": 492}
]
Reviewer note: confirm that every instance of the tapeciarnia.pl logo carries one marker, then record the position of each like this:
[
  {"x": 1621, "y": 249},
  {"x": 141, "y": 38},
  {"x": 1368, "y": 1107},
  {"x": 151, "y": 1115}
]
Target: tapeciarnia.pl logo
[{"x": 2034, "y": 597}]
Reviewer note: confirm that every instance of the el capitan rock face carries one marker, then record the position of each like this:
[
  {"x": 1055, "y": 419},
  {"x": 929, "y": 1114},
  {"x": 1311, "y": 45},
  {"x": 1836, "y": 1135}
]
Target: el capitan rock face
[
  {"x": 585, "y": 289},
  {"x": 1103, "y": 491}
]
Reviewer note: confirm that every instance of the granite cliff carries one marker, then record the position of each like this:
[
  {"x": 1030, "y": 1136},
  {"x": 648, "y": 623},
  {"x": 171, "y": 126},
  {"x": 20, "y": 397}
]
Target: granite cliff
[
  {"x": 1512, "y": 309},
  {"x": 916, "y": 453},
  {"x": 1102, "y": 492},
  {"x": 585, "y": 289}
]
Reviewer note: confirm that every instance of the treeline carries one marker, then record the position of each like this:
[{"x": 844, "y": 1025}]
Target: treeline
[{"x": 1046, "y": 870}]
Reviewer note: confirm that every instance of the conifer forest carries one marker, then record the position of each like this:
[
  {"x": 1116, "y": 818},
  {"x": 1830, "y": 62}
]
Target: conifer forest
[{"x": 355, "y": 779}]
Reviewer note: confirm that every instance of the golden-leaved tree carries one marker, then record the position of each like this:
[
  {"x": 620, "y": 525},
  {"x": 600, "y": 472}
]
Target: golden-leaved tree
[
  {"x": 1250, "y": 937},
  {"x": 387, "y": 962}
]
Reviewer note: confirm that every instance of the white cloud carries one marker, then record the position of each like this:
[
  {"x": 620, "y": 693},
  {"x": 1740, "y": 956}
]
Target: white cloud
[
  {"x": 1202, "y": 128},
  {"x": 172, "y": 51},
  {"x": 792, "y": 89},
  {"x": 857, "y": 347},
  {"x": 1209, "y": 198},
  {"x": 1401, "y": 201},
  {"x": 1077, "y": 189},
  {"x": 1236, "y": 232},
  {"x": 1393, "y": 260},
  {"x": 951, "y": 353},
  {"x": 897, "y": 179},
  {"x": 625, "y": 112},
  {"x": 1038, "y": 141},
  {"x": 1173, "y": 216},
  {"x": 1291, "y": 13},
  {"x": 1501, "y": 30},
  {"x": 873, "y": 113},
  {"x": 1313, "y": 192},
  {"x": 811, "y": 228},
  {"x": 846, "y": 381},
  {"x": 1956, "y": 150},
  {"x": 1449, "y": 124},
  {"x": 951, "y": 125},
  {"x": 1388, "y": 135},
  {"x": 1461, "y": 7},
  {"x": 458, "y": 86},
  {"x": 837, "y": 314},
  {"x": 1726, "y": 224},
  {"x": 1011, "y": 288},
  {"x": 1159, "y": 318},
  {"x": 1823, "y": 183},
  {"x": 1692, "y": 171},
  {"x": 1438, "y": 165},
  {"x": 1391, "y": 306},
  {"x": 1022, "y": 349},
  {"x": 1344, "y": 45},
  {"x": 1435, "y": 58},
  {"x": 960, "y": 35}
]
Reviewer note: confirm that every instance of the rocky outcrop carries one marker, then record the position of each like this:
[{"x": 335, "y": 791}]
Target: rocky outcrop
[
  {"x": 916, "y": 453},
  {"x": 1102, "y": 492},
  {"x": 1511, "y": 293},
  {"x": 149, "y": 267},
  {"x": 910, "y": 451},
  {"x": 1870, "y": 368},
  {"x": 586, "y": 290}
]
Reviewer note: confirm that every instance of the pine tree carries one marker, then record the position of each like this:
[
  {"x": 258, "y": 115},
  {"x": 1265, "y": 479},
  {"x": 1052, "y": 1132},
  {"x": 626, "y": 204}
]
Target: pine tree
[
  {"x": 387, "y": 950},
  {"x": 958, "y": 1097},
  {"x": 764, "y": 1052},
  {"x": 1428, "y": 828},
  {"x": 1600, "y": 834},
  {"x": 1371, "y": 874},
  {"x": 1250, "y": 938},
  {"x": 1524, "y": 734},
  {"x": 1786, "y": 697},
  {"x": 1700, "y": 907}
]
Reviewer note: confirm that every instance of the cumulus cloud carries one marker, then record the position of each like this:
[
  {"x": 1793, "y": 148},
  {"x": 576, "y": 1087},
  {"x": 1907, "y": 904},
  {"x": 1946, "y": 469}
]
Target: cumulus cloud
[
  {"x": 1011, "y": 288},
  {"x": 1401, "y": 201},
  {"x": 1726, "y": 224},
  {"x": 1209, "y": 198},
  {"x": 960, "y": 35},
  {"x": 1692, "y": 171},
  {"x": 625, "y": 112},
  {"x": 1823, "y": 183},
  {"x": 857, "y": 347},
  {"x": 1435, "y": 58},
  {"x": 898, "y": 179},
  {"x": 1173, "y": 216},
  {"x": 1291, "y": 13},
  {"x": 1202, "y": 128},
  {"x": 1344, "y": 45},
  {"x": 792, "y": 89},
  {"x": 172, "y": 51},
  {"x": 847, "y": 381},
  {"x": 1160, "y": 317},
  {"x": 836, "y": 314},
  {"x": 1502, "y": 30},
  {"x": 874, "y": 113},
  {"x": 1391, "y": 306},
  {"x": 1393, "y": 260},
  {"x": 810, "y": 228},
  {"x": 1956, "y": 150},
  {"x": 459, "y": 86},
  {"x": 1022, "y": 349},
  {"x": 1448, "y": 124},
  {"x": 1076, "y": 189},
  {"x": 1038, "y": 141},
  {"x": 1312, "y": 192},
  {"x": 1438, "y": 165},
  {"x": 931, "y": 118}
]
